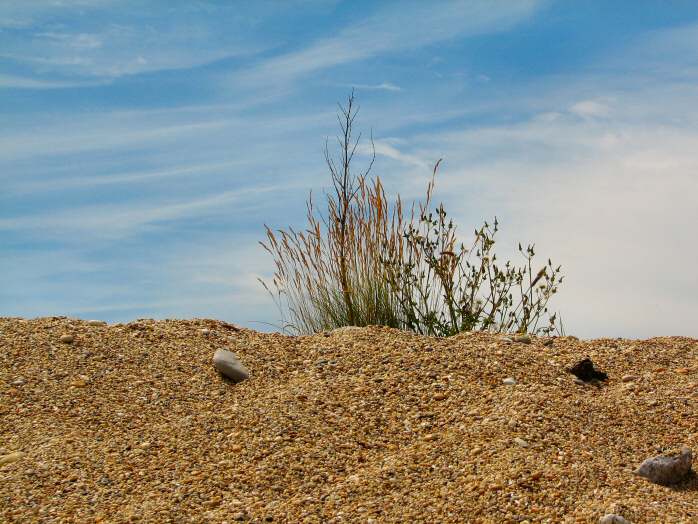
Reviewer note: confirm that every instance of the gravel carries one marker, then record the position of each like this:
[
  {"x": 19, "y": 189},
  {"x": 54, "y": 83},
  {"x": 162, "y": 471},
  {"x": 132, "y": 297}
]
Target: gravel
[{"x": 132, "y": 423}]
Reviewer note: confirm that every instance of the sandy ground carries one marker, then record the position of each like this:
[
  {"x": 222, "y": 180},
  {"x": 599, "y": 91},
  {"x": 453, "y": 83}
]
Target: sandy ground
[{"x": 130, "y": 422}]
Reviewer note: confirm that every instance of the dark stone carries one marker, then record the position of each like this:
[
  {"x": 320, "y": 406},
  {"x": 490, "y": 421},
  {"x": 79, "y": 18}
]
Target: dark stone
[{"x": 585, "y": 370}]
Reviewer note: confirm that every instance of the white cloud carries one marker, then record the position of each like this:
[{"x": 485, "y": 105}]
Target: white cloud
[
  {"x": 20, "y": 82},
  {"x": 384, "y": 148},
  {"x": 406, "y": 26},
  {"x": 119, "y": 220},
  {"x": 384, "y": 86},
  {"x": 612, "y": 201},
  {"x": 106, "y": 40},
  {"x": 590, "y": 109}
]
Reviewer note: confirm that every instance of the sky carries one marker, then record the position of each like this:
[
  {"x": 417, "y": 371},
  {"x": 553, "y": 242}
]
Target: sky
[{"x": 144, "y": 145}]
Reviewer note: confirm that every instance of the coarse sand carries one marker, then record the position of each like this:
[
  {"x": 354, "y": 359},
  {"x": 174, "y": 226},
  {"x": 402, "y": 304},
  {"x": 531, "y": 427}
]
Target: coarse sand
[{"x": 131, "y": 422}]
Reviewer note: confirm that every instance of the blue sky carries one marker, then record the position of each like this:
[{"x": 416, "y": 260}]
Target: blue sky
[{"x": 145, "y": 144}]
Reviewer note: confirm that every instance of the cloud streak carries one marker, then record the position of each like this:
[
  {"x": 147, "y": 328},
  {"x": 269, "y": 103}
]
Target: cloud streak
[{"x": 407, "y": 25}]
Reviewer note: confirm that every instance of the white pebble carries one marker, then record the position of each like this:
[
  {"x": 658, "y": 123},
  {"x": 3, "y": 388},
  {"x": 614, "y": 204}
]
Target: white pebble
[{"x": 509, "y": 381}]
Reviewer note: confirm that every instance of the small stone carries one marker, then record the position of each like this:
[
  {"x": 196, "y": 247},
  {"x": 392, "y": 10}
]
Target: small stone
[
  {"x": 683, "y": 371},
  {"x": 19, "y": 382},
  {"x": 548, "y": 342},
  {"x": 520, "y": 442},
  {"x": 429, "y": 437},
  {"x": 522, "y": 339},
  {"x": 67, "y": 339},
  {"x": 96, "y": 323},
  {"x": 506, "y": 340},
  {"x": 629, "y": 378},
  {"x": 236, "y": 448},
  {"x": 228, "y": 365},
  {"x": 440, "y": 396},
  {"x": 579, "y": 381},
  {"x": 612, "y": 518},
  {"x": 205, "y": 331},
  {"x": 79, "y": 383},
  {"x": 11, "y": 457},
  {"x": 667, "y": 469},
  {"x": 509, "y": 381}
]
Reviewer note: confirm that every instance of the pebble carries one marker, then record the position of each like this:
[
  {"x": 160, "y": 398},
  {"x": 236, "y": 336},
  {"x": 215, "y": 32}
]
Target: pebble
[
  {"x": 548, "y": 342},
  {"x": 67, "y": 339},
  {"x": 96, "y": 323},
  {"x": 11, "y": 457},
  {"x": 579, "y": 382},
  {"x": 667, "y": 469},
  {"x": 440, "y": 396},
  {"x": 629, "y": 378},
  {"x": 612, "y": 518},
  {"x": 522, "y": 339},
  {"x": 506, "y": 340},
  {"x": 228, "y": 365},
  {"x": 205, "y": 331},
  {"x": 509, "y": 381},
  {"x": 18, "y": 382},
  {"x": 520, "y": 442}
]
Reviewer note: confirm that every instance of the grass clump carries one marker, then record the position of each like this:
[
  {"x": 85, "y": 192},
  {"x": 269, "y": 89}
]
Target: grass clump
[{"x": 365, "y": 261}]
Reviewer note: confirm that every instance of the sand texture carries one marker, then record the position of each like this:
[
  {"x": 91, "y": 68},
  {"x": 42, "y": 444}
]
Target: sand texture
[{"x": 131, "y": 423}]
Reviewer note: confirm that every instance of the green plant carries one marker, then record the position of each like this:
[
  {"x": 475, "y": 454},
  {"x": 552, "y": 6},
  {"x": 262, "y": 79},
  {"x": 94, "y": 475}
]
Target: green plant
[
  {"x": 365, "y": 261},
  {"x": 443, "y": 288}
]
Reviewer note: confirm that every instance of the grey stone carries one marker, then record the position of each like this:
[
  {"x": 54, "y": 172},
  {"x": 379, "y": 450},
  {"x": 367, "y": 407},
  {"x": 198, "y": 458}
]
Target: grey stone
[
  {"x": 509, "y": 381},
  {"x": 522, "y": 339},
  {"x": 667, "y": 469},
  {"x": 96, "y": 323},
  {"x": 612, "y": 518},
  {"x": 229, "y": 365},
  {"x": 67, "y": 339}
]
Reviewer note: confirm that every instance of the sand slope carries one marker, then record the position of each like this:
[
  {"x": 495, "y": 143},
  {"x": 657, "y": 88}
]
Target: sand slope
[{"x": 131, "y": 422}]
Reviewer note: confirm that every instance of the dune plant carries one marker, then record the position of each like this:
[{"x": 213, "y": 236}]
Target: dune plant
[{"x": 366, "y": 261}]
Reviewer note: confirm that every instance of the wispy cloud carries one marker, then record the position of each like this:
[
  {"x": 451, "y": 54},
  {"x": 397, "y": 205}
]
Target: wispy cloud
[
  {"x": 407, "y": 25},
  {"x": 384, "y": 86},
  {"x": 118, "y": 220},
  {"x": 19, "y": 82},
  {"x": 106, "y": 40}
]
